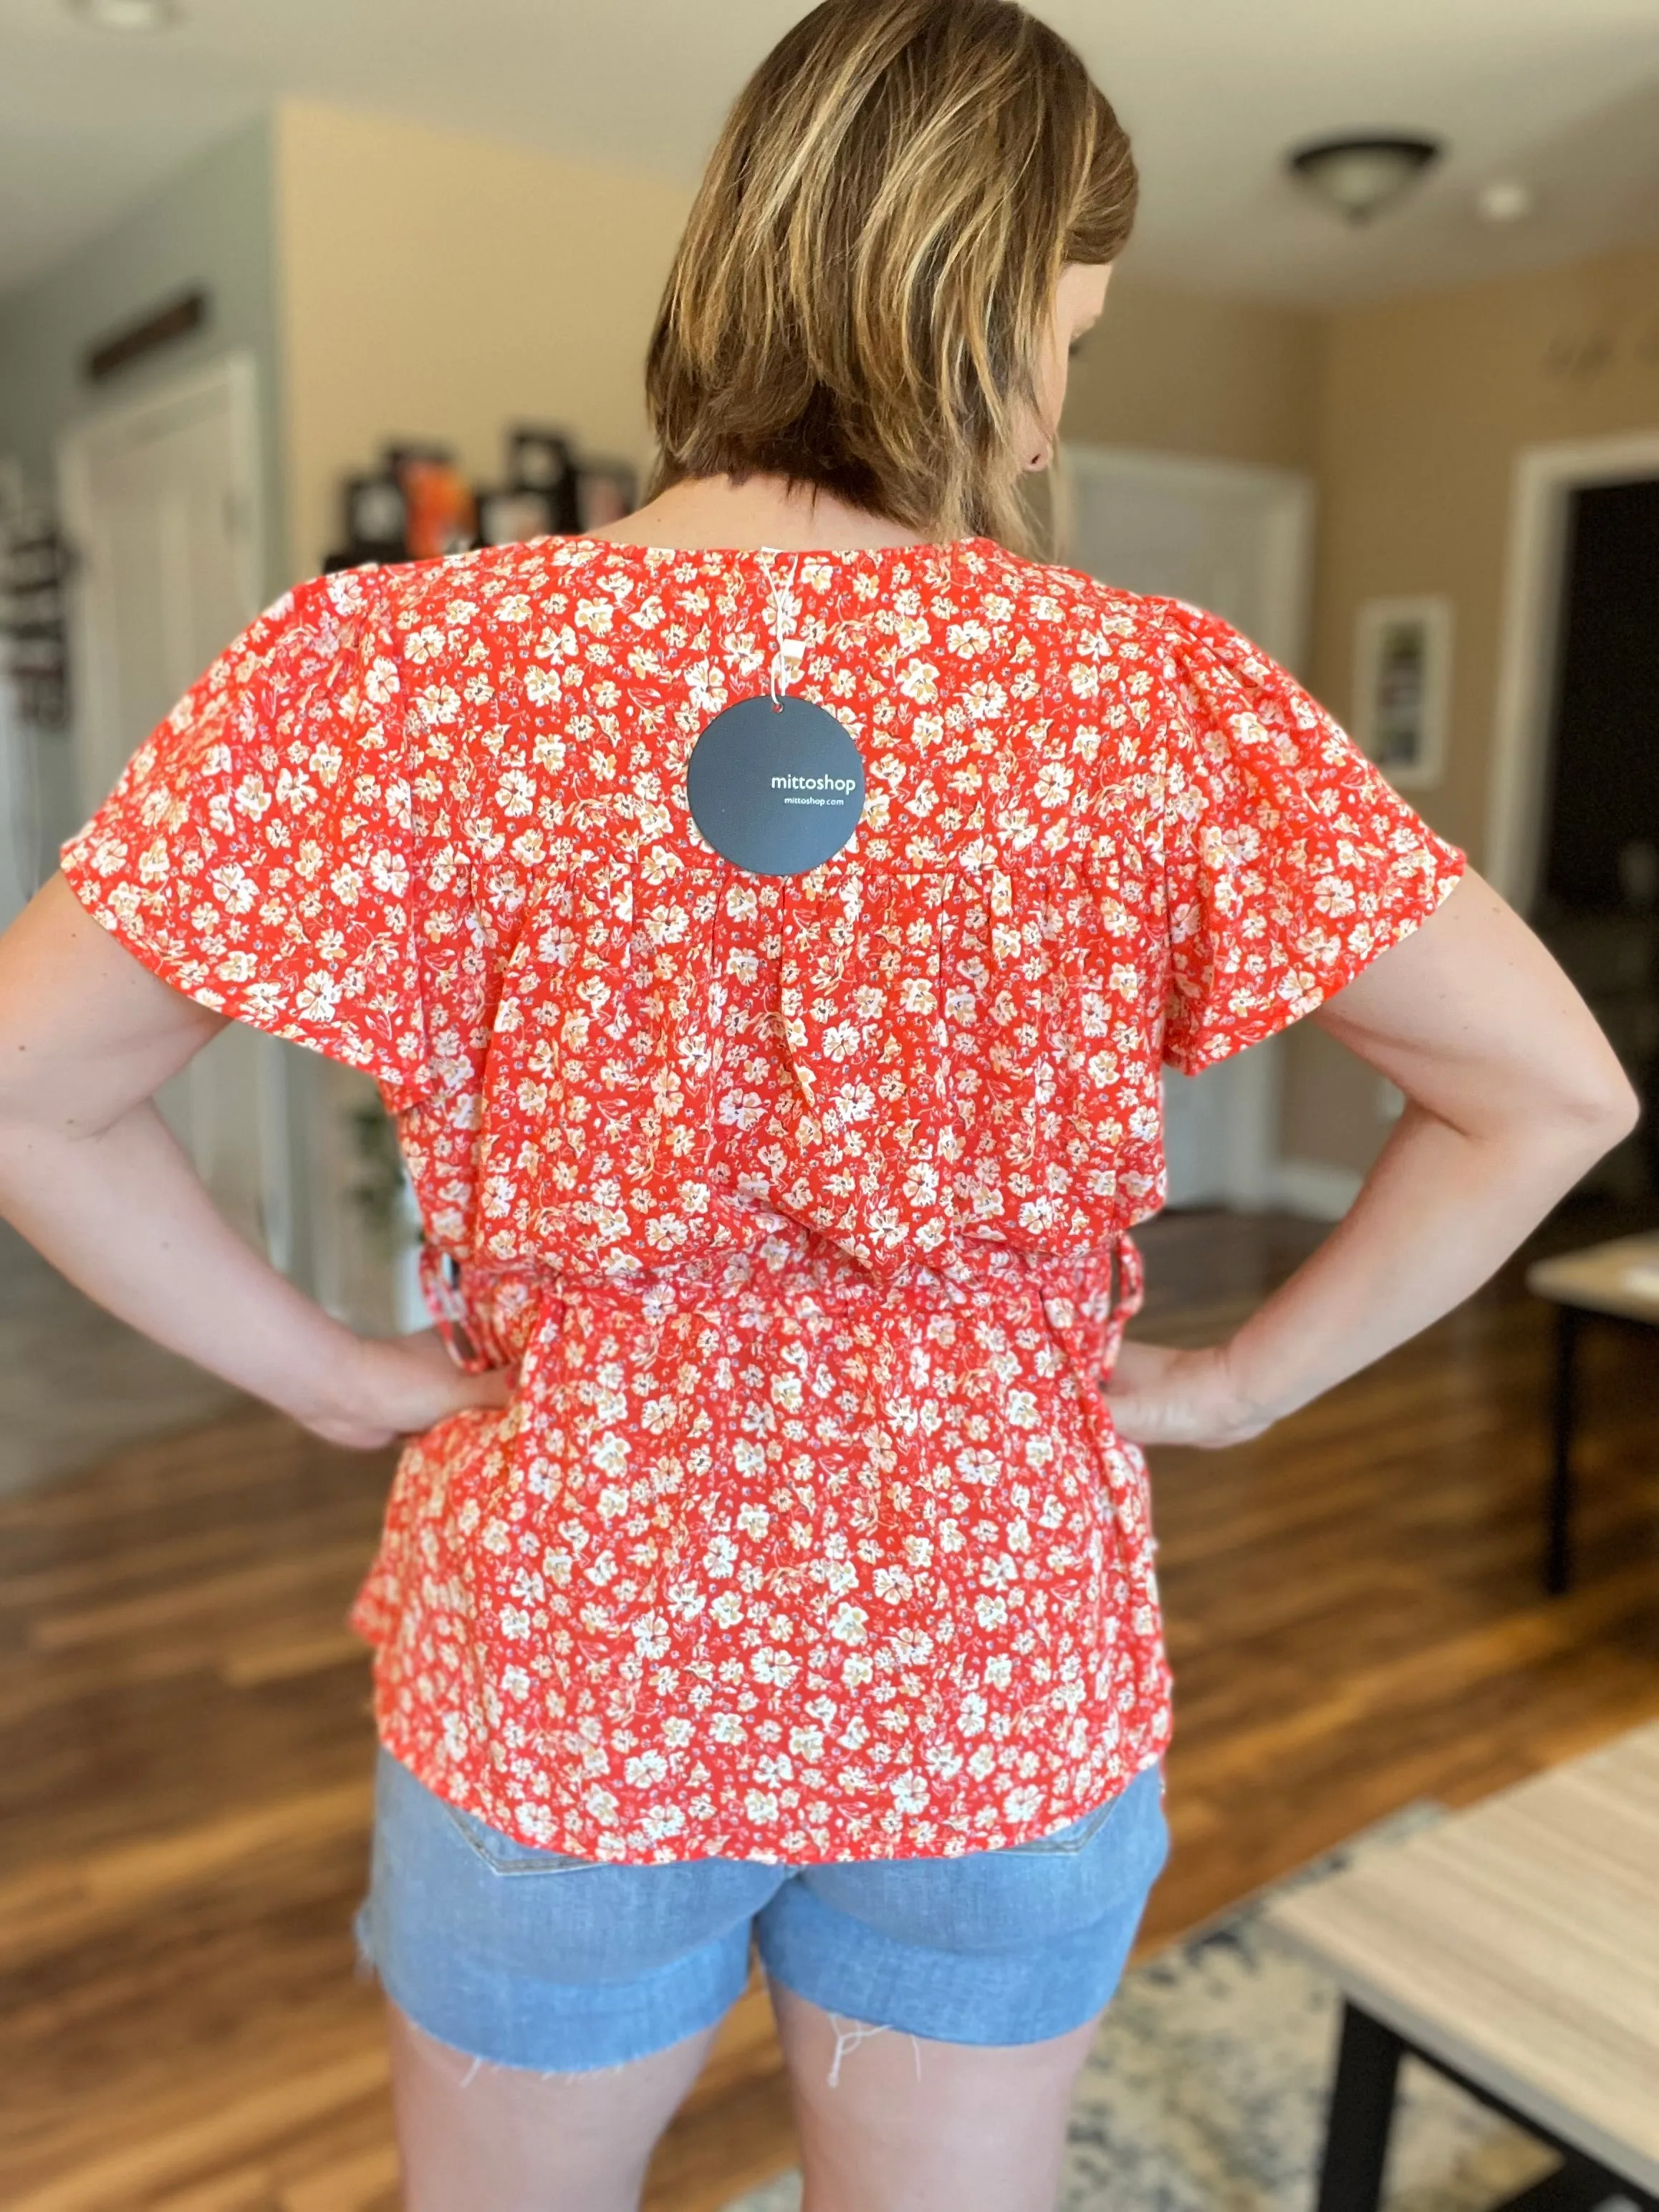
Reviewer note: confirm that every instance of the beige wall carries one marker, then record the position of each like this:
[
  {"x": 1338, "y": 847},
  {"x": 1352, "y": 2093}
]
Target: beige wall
[
  {"x": 1182, "y": 373},
  {"x": 1425, "y": 404},
  {"x": 441, "y": 287}
]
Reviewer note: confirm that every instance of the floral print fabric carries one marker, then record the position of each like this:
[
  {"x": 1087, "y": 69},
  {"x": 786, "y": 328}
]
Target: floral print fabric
[{"x": 802, "y": 1203}]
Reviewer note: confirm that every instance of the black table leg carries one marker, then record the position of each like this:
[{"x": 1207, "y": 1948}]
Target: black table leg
[
  {"x": 1577, "y": 2185},
  {"x": 1362, "y": 2111},
  {"x": 1558, "y": 1554}
]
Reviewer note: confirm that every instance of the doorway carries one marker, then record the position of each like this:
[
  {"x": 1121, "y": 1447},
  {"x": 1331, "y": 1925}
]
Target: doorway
[
  {"x": 1573, "y": 839},
  {"x": 161, "y": 500},
  {"x": 1598, "y": 900},
  {"x": 1602, "y": 814},
  {"x": 1234, "y": 540}
]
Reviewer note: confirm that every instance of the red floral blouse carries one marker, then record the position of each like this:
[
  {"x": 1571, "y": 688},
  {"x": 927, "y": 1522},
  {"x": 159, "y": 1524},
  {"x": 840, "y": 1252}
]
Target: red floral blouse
[{"x": 800, "y": 1201}]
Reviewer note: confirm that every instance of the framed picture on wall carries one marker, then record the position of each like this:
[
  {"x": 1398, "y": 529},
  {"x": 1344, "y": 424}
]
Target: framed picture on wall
[
  {"x": 515, "y": 516},
  {"x": 541, "y": 460},
  {"x": 376, "y": 518},
  {"x": 1402, "y": 688},
  {"x": 606, "y": 492}
]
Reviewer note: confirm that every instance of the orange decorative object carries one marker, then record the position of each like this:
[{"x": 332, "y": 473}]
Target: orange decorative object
[{"x": 443, "y": 514}]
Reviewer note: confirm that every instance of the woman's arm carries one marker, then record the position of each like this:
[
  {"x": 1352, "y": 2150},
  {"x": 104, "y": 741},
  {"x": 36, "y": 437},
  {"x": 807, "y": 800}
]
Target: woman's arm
[
  {"x": 91, "y": 1174},
  {"x": 1512, "y": 1092}
]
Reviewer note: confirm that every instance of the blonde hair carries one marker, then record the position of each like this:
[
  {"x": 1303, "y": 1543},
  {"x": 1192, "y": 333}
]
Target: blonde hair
[{"x": 859, "y": 298}]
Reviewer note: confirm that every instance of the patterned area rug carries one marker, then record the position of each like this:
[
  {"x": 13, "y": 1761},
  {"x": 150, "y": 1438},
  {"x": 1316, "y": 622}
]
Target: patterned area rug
[{"x": 1205, "y": 2091}]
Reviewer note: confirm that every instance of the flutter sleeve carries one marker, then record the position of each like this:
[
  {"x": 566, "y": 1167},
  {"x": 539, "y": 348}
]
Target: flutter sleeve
[
  {"x": 1290, "y": 862},
  {"x": 259, "y": 851}
]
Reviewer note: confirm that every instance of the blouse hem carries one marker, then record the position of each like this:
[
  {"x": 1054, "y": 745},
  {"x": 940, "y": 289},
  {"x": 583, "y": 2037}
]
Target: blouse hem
[
  {"x": 1285, "y": 1013},
  {"x": 230, "y": 1003},
  {"x": 1009, "y": 1837}
]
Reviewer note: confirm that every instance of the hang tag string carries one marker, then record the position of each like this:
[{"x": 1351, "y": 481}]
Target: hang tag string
[
  {"x": 789, "y": 650},
  {"x": 774, "y": 783}
]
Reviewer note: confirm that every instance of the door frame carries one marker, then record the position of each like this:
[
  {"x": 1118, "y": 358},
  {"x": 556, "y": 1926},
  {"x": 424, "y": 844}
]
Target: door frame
[
  {"x": 1542, "y": 487},
  {"x": 235, "y": 377},
  {"x": 1290, "y": 494}
]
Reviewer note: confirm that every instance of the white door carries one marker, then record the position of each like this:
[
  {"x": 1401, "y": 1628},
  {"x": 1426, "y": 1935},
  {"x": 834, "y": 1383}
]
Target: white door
[
  {"x": 161, "y": 500},
  {"x": 1236, "y": 541}
]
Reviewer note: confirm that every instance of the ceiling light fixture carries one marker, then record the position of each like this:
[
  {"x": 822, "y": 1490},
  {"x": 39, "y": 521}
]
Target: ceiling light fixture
[
  {"x": 1505, "y": 200},
  {"x": 127, "y": 15},
  {"x": 1357, "y": 177}
]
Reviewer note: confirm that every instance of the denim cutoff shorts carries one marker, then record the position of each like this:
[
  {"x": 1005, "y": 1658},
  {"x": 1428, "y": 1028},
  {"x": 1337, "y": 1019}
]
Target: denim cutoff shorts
[{"x": 530, "y": 1958}]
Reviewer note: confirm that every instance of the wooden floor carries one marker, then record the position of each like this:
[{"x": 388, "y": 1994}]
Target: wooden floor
[{"x": 1354, "y": 1615}]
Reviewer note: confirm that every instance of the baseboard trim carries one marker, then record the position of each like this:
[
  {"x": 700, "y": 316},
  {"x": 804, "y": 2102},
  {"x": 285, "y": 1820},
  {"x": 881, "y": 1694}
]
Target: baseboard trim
[{"x": 1316, "y": 1190}]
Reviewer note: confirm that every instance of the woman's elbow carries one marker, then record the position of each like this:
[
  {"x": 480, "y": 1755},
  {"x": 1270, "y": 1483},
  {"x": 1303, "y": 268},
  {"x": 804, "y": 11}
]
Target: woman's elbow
[
  {"x": 1564, "y": 1096},
  {"x": 1593, "y": 1105},
  {"x": 1616, "y": 1111}
]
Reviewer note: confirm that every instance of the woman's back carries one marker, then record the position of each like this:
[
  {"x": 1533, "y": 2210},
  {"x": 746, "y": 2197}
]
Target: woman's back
[{"x": 1100, "y": 831}]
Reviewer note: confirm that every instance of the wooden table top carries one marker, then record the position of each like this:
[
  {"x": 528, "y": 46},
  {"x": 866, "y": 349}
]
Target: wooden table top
[
  {"x": 1519, "y": 1943},
  {"x": 1619, "y": 1277}
]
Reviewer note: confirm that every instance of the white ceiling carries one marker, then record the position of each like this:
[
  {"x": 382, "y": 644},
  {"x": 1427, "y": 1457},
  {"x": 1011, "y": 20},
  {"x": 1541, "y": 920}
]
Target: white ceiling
[{"x": 1564, "y": 93}]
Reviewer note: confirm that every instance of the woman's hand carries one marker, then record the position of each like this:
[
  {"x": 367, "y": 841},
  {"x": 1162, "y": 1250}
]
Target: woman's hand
[
  {"x": 398, "y": 1386},
  {"x": 1157, "y": 1395}
]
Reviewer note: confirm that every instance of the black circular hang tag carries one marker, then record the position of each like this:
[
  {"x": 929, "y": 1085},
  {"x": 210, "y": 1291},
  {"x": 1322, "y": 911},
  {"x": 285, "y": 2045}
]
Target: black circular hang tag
[{"x": 776, "y": 786}]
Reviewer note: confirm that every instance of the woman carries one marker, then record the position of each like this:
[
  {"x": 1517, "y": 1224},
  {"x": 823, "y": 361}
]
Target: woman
[{"x": 765, "y": 1557}]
